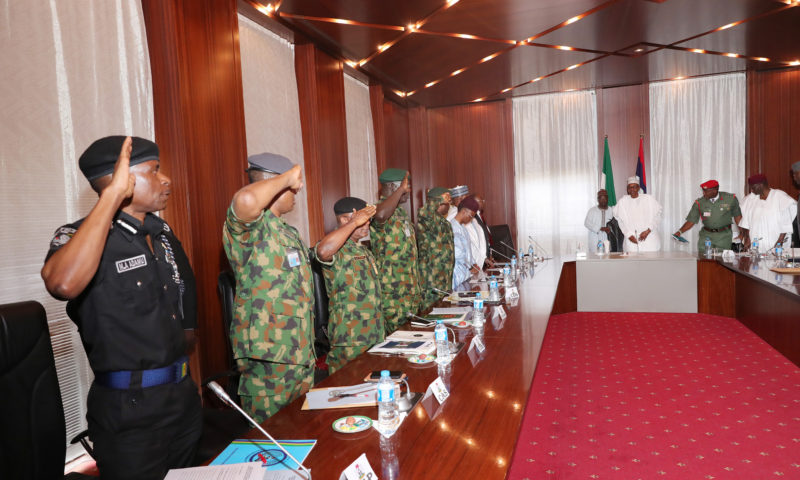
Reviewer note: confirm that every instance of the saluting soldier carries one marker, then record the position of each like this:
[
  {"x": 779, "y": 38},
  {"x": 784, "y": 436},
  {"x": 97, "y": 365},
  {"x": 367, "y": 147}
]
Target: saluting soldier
[
  {"x": 435, "y": 243},
  {"x": 355, "y": 320},
  {"x": 131, "y": 292},
  {"x": 717, "y": 210},
  {"x": 394, "y": 244},
  {"x": 272, "y": 333}
]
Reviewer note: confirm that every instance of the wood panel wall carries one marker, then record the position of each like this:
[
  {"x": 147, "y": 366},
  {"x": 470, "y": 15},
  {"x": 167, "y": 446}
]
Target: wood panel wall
[
  {"x": 320, "y": 82},
  {"x": 199, "y": 125},
  {"x": 623, "y": 113},
  {"x": 773, "y": 123},
  {"x": 473, "y": 145}
]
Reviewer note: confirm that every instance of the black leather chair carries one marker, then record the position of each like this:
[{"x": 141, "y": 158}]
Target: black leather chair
[
  {"x": 501, "y": 234},
  {"x": 321, "y": 343},
  {"x": 226, "y": 288},
  {"x": 32, "y": 443}
]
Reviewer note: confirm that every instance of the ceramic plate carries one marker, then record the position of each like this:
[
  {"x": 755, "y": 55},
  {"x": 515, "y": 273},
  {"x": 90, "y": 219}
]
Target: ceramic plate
[
  {"x": 352, "y": 424},
  {"x": 422, "y": 358}
]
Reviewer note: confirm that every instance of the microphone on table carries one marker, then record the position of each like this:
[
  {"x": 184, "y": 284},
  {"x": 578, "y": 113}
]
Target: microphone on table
[
  {"x": 509, "y": 247},
  {"x": 437, "y": 290},
  {"x": 504, "y": 256},
  {"x": 214, "y": 386},
  {"x": 424, "y": 321}
]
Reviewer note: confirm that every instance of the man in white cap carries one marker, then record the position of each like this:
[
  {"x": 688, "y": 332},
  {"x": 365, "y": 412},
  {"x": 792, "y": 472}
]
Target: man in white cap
[
  {"x": 639, "y": 216},
  {"x": 457, "y": 193}
]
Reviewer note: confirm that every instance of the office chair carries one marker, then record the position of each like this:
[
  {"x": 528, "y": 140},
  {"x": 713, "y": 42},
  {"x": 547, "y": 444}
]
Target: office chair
[
  {"x": 501, "y": 235},
  {"x": 32, "y": 422},
  {"x": 321, "y": 343}
]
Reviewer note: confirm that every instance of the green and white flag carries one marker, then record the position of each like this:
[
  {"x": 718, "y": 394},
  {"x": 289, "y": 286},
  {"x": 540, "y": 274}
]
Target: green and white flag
[{"x": 607, "y": 176}]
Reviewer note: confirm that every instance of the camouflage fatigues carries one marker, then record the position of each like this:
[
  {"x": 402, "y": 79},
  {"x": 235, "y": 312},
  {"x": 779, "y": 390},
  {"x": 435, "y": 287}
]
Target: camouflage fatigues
[
  {"x": 716, "y": 215},
  {"x": 394, "y": 244},
  {"x": 355, "y": 320},
  {"x": 436, "y": 257},
  {"x": 272, "y": 333}
]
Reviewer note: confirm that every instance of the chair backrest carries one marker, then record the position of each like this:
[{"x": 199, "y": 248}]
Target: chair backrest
[
  {"x": 501, "y": 234},
  {"x": 33, "y": 432},
  {"x": 321, "y": 343},
  {"x": 226, "y": 287}
]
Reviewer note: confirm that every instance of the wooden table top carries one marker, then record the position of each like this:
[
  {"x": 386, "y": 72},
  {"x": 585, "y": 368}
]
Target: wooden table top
[{"x": 472, "y": 435}]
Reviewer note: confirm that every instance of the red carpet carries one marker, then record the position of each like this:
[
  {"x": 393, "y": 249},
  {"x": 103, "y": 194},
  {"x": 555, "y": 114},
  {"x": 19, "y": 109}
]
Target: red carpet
[{"x": 652, "y": 396}]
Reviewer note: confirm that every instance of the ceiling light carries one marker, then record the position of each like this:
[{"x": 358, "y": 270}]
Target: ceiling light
[
  {"x": 411, "y": 27},
  {"x": 400, "y": 93},
  {"x": 762, "y": 59},
  {"x": 464, "y": 35},
  {"x": 430, "y": 84},
  {"x": 505, "y": 90},
  {"x": 639, "y": 50},
  {"x": 698, "y": 50},
  {"x": 794, "y": 63},
  {"x": 456, "y": 72},
  {"x": 450, "y": 3},
  {"x": 570, "y": 90},
  {"x": 573, "y": 19},
  {"x": 536, "y": 79},
  {"x": 572, "y": 67},
  {"x": 732, "y": 55},
  {"x": 679, "y": 78},
  {"x": 411, "y": 93},
  {"x": 562, "y": 47},
  {"x": 383, "y": 47},
  {"x": 724, "y": 27},
  {"x": 351, "y": 63},
  {"x": 479, "y": 99},
  {"x": 362, "y": 62},
  {"x": 266, "y": 9},
  {"x": 489, "y": 57},
  {"x": 341, "y": 21}
]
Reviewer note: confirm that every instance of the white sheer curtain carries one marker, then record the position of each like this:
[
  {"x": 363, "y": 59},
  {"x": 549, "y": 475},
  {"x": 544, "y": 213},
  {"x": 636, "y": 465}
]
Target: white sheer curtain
[
  {"x": 271, "y": 103},
  {"x": 360, "y": 141},
  {"x": 697, "y": 133},
  {"x": 72, "y": 72},
  {"x": 555, "y": 159}
]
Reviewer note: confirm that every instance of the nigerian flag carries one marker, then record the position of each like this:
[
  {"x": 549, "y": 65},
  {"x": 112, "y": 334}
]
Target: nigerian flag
[{"x": 607, "y": 177}]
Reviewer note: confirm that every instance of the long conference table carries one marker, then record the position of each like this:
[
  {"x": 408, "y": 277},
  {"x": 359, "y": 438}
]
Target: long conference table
[{"x": 473, "y": 434}]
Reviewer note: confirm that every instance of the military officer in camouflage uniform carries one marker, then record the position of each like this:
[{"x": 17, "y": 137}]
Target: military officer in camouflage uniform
[
  {"x": 273, "y": 326},
  {"x": 352, "y": 282},
  {"x": 394, "y": 244},
  {"x": 717, "y": 210},
  {"x": 435, "y": 243}
]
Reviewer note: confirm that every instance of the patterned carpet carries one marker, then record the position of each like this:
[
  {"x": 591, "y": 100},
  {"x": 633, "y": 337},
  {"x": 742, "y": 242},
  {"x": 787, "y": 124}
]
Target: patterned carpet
[{"x": 654, "y": 395}]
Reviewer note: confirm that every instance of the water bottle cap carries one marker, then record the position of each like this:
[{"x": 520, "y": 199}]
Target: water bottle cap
[
  {"x": 385, "y": 373},
  {"x": 439, "y": 321}
]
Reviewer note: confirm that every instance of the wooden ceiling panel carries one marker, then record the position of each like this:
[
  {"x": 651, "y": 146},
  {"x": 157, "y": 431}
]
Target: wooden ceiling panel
[
  {"x": 418, "y": 58},
  {"x": 634, "y": 21},
  {"x": 387, "y": 12},
  {"x": 511, "y": 20},
  {"x": 776, "y": 37},
  {"x": 355, "y": 42}
]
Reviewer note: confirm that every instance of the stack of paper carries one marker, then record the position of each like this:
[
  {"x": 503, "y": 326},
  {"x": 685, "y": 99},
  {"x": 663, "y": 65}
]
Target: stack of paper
[{"x": 406, "y": 342}]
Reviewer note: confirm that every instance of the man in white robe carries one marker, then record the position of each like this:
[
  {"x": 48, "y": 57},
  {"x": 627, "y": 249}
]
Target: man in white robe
[
  {"x": 639, "y": 218},
  {"x": 457, "y": 193},
  {"x": 477, "y": 237},
  {"x": 596, "y": 219},
  {"x": 464, "y": 266},
  {"x": 768, "y": 215}
]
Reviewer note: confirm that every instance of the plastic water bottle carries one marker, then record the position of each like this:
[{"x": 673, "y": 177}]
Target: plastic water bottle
[
  {"x": 530, "y": 252},
  {"x": 754, "y": 248},
  {"x": 600, "y": 248},
  {"x": 494, "y": 290},
  {"x": 506, "y": 276},
  {"x": 387, "y": 402},
  {"x": 779, "y": 253},
  {"x": 442, "y": 344},
  {"x": 514, "y": 266},
  {"x": 708, "y": 247},
  {"x": 477, "y": 316}
]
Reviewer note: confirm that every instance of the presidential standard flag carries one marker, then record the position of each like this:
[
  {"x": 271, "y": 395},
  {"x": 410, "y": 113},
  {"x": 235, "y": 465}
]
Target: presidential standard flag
[
  {"x": 640, "y": 167},
  {"x": 607, "y": 176}
]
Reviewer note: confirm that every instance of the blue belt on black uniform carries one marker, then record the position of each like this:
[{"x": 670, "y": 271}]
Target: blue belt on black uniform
[{"x": 125, "y": 379}]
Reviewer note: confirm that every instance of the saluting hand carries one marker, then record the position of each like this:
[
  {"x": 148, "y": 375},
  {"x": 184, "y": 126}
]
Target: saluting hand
[
  {"x": 362, "y": 216},
  {"x": 405, "y": 185},
  {"x": 294, "y": 178},
  {"x": 122, "y": 181}
]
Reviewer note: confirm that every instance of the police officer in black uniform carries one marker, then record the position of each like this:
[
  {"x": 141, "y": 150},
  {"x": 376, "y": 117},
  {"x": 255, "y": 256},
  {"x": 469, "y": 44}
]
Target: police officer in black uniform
[{"x": 131, "y": 292}]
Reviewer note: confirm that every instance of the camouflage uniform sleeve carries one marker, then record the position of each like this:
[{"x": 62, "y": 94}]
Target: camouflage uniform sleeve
[{"x": 322, "y": 262}]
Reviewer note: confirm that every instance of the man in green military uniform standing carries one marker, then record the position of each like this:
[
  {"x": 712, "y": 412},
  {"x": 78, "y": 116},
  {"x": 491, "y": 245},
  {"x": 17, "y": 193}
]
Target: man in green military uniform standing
[
  {"x": 394, "y": 244},
  {"x": 352, "y": 282},
  {"x": 717, "y": 211},
  {"x": 272, "y": 333},
  {"x": 435, "y": 243}
]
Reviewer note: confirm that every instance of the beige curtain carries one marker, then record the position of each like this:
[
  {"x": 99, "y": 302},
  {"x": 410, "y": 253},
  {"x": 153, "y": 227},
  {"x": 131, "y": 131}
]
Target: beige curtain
[
  {"x": 360, "y": 141},
  {"x": 271, "y": 103},
  {"x": 72, "y": 72}
]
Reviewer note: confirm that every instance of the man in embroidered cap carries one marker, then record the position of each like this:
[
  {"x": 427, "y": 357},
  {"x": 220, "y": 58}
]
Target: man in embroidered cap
[
  {"x": 394, "y": 244},
  {"x": 464, "y": 263},
  {"x": 717, "y": 210},
  {"x": 596, "y": 221},
  {"x": 639, "y": 217},
  {"x": 352, "y": 282},
  {"x": 435, "y": 243},
  {"x": 131, "y": 292},
  {"x": 457, "y": 193},
  {"x": 768, "y": 215},
  {"x": 272, "y": 333},
  {"x": 796, "y": 180}
]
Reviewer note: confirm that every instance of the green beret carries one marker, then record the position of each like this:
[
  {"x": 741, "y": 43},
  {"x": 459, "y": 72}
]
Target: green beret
[
  {"x": 99, "y": 159},
  {"x": 437, "y": 192},
  {"x": 347, "y": 205},
  {"x": 392, "y": 175}
]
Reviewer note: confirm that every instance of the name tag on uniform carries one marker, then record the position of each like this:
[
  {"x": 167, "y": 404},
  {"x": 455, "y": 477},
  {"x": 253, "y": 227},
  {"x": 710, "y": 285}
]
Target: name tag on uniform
[
  {"x": 131, "y": 263},
  {"x": 706, "y": 214},
  {"x": 292, "y": 257},
  {"x": 359, "y": 257}
]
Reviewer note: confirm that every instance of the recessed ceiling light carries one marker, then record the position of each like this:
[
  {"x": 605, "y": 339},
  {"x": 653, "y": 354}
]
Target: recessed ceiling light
[
  {"x": 572, "y": 67},
  {"x": 505, "y": 90},
  {"x": 732, "y": 55},
  {"x": 762, "y": 59},
  {"x": 639, "y": 50},
  {"x": 794, "y": 63},
  {"x": 562, "y": 47},
  {"x": 573, "y": 19},
  {"x": 698, "y": 50}
]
